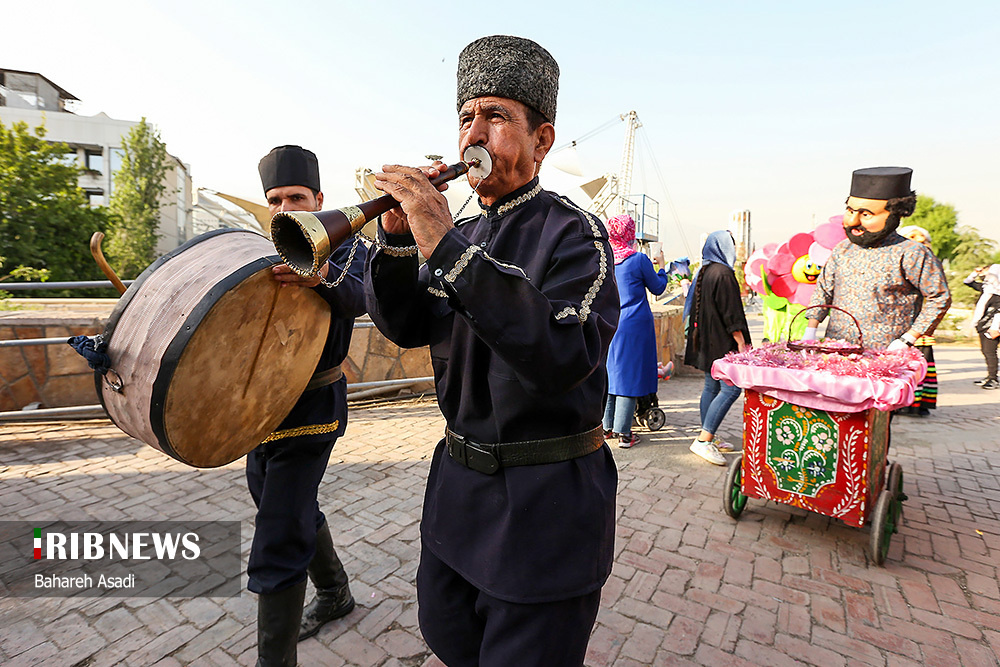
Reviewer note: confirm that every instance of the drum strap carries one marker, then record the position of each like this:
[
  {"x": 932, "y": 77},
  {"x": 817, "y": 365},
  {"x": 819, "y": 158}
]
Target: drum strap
[
  {"x": 323, "y": 378},
  {"x": 488, "y": 458}
]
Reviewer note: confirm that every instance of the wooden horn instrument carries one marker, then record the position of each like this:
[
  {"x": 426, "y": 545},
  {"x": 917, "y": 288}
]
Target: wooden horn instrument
[{"x": 306, "y": 240}]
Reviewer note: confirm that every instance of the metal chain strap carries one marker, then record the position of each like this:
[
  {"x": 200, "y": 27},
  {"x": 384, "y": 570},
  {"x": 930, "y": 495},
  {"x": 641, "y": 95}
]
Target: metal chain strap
[
  {"x": 347, "y": 265},
  {"x": 410, "y": 249}
]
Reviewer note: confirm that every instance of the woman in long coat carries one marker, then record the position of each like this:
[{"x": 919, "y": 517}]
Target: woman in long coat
[
  {"x": 717, "y": 326},
  {"x": 632, "y": 356}
]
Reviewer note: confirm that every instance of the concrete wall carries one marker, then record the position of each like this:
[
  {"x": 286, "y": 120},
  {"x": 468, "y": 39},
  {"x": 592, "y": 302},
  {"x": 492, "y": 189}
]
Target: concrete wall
[
  {"x": 670, "y": 336},
  {"x": 56, "y": 376},
  {"x": 52, "y": 375}
]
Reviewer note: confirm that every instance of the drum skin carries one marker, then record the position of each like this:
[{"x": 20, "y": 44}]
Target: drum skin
[{"x": 212, "y": 352}]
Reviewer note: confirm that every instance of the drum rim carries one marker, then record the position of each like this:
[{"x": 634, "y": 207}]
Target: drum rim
[
  {"x": 172, "y": 355},
  {"x": 126, "y": 299}
]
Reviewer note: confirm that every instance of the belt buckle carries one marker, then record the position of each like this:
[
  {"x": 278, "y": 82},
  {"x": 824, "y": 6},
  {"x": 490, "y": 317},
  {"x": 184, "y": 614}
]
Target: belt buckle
[{"x": 475, "y": 456}]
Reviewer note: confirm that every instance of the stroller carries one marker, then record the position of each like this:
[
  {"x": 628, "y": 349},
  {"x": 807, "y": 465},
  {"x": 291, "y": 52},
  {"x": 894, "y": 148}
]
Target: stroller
[{"x": 647, "y": 410}]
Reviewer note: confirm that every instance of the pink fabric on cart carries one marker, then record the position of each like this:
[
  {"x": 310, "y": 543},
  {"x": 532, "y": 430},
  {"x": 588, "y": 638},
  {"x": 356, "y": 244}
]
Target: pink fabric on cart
[{"x": 824, "y": 391}]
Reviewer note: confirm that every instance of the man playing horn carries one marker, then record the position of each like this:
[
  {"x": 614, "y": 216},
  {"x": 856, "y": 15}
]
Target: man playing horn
[
  {"x": 292, "y": 538},
  {"x": 518, "y": 306}
]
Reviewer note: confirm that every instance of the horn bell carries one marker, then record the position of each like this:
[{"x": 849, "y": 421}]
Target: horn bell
[{"x": 301, "y": 240}]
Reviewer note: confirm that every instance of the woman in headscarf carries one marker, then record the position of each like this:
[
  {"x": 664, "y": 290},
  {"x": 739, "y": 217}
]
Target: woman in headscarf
[
  {"x": 632, "y": 369},
  {"x": 986, "y": 318},
  {"x": 717, "y": 325},
  {"x": 925, "y": 397}
]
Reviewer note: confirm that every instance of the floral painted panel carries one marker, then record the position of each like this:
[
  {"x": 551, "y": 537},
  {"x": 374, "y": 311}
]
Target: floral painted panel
[
  {"x": 832, "y": 463},
  {"x": 802, "y": 448}
]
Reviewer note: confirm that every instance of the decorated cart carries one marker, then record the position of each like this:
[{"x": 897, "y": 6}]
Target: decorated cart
[{"x": 816, "y": 431}]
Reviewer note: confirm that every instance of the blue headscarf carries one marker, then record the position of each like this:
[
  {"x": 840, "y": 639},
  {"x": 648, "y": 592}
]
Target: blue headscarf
[
  {"x": 719, "y": 248},
  {"x": 680, "y": 267}
]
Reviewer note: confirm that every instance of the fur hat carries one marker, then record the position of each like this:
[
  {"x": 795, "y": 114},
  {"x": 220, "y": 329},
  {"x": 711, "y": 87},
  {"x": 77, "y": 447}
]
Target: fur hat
[{"x": 511, "y": 67}]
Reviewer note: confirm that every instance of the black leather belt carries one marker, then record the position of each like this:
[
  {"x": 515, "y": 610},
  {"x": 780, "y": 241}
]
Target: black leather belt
[
  {"x": 488, "y": 458},
  {"x": 323, "y": 378}
]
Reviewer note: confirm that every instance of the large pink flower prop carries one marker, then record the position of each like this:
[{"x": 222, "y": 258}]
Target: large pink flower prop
[{"x": 788, "y": 272}]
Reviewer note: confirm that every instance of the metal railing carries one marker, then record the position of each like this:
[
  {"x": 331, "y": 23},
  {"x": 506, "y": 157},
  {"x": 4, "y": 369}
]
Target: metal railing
[
  {"x": 72, "y": 284},
  {"x": 356, "y": 391}
]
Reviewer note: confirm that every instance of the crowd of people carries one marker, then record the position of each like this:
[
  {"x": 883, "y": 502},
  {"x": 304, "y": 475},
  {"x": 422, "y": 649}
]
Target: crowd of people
[{"x": 542, "y": 340}]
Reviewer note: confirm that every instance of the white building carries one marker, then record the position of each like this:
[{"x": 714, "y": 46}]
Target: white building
[{"x": 95, "y": 144}]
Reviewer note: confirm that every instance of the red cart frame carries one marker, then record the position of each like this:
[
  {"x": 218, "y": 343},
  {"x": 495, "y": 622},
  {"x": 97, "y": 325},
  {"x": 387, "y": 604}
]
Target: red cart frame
[{"x": 831, "y": 463}]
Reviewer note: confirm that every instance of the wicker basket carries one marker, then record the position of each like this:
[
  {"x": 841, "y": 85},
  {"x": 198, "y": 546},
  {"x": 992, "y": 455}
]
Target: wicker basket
[{"x": 826, "y": 349}]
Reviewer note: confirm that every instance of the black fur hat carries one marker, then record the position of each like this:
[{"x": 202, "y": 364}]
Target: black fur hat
[{"x": 511, "y": 67}]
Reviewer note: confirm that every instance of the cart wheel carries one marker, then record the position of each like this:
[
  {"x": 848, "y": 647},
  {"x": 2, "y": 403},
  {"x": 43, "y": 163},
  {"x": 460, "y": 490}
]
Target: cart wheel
[
  {"x": 655, "y": 419},
  {"x": 895, "y": 485},
  {"x": 883, "y": 526},
  {"x": 895, "y": 482},
  {"x": 733, "y": 499}
]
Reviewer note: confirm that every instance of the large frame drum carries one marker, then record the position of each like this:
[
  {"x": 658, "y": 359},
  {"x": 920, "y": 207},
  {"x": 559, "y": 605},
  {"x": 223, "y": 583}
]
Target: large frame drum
[{"x": 211, "y": 351}]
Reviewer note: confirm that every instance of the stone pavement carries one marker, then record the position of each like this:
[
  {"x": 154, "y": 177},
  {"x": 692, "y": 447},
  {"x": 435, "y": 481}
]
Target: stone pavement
[{"x": 690, "y": 586}]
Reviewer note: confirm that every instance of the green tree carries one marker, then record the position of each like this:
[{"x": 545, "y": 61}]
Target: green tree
[
  {"x": 45, "y": 222},
  {"x": 940, "y": 221},
  {"x": 135, "y": 200},
  {"x": 960, "y": 248},
  {"x": 971, "y": 251}
]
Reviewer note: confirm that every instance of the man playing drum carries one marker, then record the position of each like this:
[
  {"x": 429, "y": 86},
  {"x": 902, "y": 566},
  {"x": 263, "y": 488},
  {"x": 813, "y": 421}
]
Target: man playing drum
[
  {"x": 292, "y": 538},
  {"x": 518, "y": 305}
]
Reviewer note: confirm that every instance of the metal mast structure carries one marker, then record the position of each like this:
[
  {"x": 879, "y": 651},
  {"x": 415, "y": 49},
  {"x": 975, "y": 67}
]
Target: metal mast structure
[{"x": 628, "y": 157}]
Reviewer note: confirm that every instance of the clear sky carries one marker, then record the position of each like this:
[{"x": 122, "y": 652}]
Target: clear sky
[{"x": 761, "y": 105}]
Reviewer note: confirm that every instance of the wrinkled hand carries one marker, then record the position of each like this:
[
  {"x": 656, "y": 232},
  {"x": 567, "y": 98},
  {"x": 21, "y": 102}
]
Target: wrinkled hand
[
  {"x": 423, "y": 209},
  {"x": 896, "y": 345},
  {"x": 289, "y": 278},
  {"x": 810, "y": 334}
]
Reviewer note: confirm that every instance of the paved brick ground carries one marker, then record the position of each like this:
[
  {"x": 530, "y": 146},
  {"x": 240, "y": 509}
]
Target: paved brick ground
[{"x": 690, "y": 586}]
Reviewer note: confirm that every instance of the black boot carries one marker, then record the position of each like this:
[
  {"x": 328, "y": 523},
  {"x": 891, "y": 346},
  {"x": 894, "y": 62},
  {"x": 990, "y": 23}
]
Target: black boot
[
  {"x": 333, "y": 594},
  {"x": 278, "y": 618}
]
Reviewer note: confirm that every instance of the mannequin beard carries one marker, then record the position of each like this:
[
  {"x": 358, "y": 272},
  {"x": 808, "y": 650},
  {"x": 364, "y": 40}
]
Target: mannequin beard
[{"x": 868, "y": 239}]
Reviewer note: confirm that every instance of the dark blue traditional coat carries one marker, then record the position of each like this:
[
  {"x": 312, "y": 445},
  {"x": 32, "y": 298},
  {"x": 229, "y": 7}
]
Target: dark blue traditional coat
[{"x": 518, "y": 306}]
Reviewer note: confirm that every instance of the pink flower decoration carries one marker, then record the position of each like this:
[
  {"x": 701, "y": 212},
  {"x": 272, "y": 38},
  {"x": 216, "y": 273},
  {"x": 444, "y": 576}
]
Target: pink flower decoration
[
  {"x": 781, "y": 262},
  {"x": 791, "y": 268},
  {"x": 830, "y": 233}
]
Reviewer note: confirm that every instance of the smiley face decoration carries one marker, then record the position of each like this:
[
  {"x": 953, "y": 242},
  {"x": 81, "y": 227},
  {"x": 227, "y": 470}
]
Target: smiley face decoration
[{"x": 785, "y": 275}]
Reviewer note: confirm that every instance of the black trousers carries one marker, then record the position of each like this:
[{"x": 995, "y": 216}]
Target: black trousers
[
  {"x": 989, "y": 348},
  {"x": 466, "y": 627},
  {"x": 283, "y": 477}
]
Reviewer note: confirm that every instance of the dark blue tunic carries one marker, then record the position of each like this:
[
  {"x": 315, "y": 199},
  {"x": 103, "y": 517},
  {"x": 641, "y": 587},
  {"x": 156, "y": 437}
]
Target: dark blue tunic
[
  {"x": 284, "y": 473},
  {"x": 632, "y": 357},
  {"x": 518, "y": 307},
  {"x": 347, "y": 301}
]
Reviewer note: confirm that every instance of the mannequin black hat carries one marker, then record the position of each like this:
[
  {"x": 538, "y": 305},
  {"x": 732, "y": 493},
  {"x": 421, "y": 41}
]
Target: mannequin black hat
[
  {"x": 289, "y": 165},
  {"x": 511, "y": 67},
  {"x": 881, "y": 183}
]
